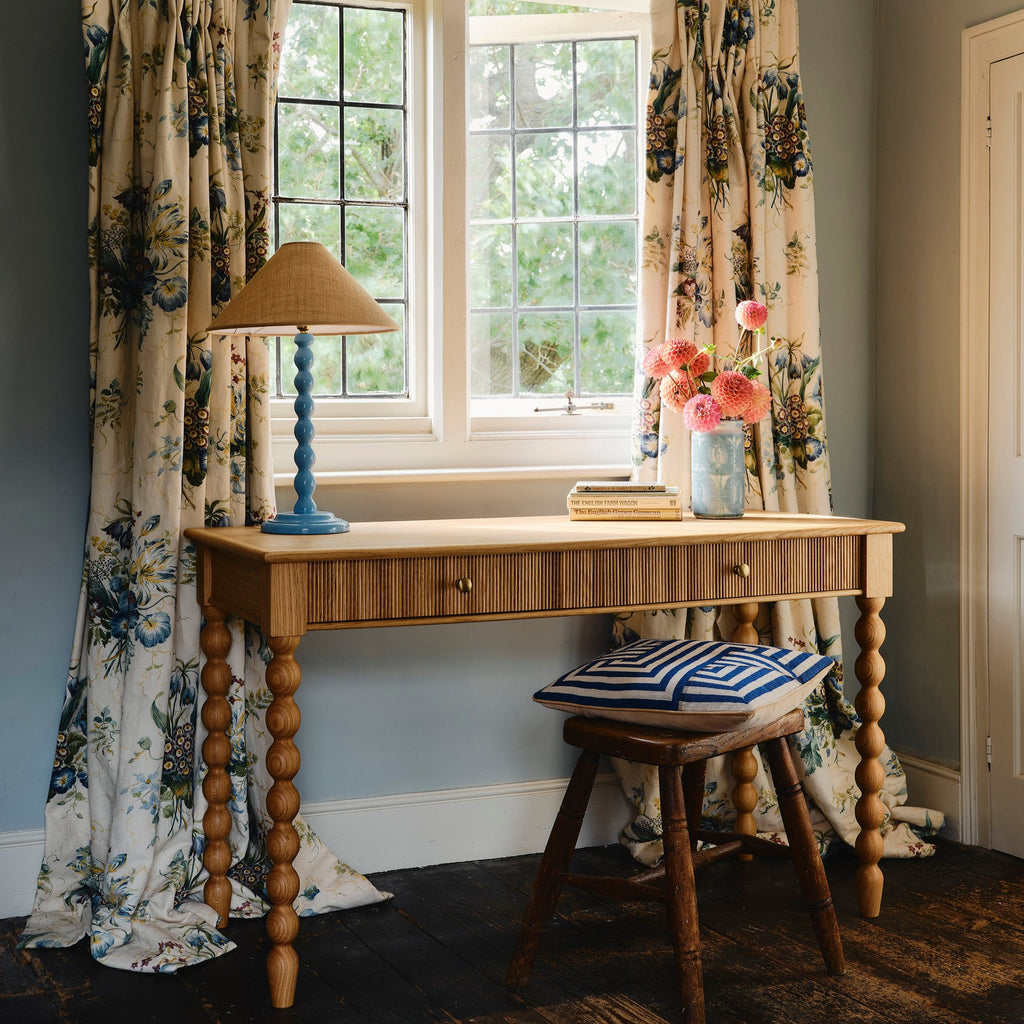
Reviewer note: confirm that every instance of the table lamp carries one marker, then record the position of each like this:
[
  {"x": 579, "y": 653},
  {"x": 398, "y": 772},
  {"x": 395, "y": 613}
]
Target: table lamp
[{"x": 303, "y": 288}]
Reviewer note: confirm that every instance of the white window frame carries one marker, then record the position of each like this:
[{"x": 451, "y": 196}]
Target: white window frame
[{"x": 436, "y": 432}]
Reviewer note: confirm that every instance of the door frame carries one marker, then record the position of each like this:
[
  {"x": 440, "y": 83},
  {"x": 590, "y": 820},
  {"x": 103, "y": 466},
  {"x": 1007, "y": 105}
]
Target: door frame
[{"x": 981, "y": 46}]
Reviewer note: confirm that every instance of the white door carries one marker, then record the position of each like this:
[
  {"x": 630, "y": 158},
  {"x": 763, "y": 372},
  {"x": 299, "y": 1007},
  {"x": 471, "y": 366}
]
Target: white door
[{"x": 1006, "y": 456}]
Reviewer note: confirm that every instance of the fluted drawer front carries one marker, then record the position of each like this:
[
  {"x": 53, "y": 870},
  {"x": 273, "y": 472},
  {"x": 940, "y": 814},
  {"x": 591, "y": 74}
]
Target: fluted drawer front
[
  {"x": 381, "y": 590},
  {"x": 709, "y": 573},
  {"x": 422, "y": 588}
]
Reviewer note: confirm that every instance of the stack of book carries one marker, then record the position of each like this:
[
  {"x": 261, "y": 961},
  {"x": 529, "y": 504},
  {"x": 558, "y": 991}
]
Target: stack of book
[{"x": 618, "y": 499}]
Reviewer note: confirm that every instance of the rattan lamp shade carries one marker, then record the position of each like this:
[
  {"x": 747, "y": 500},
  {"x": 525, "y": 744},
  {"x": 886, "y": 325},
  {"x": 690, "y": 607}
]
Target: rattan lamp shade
[
  {"x": 302, "y": 289},
  {"x": 302, "y": 286}
]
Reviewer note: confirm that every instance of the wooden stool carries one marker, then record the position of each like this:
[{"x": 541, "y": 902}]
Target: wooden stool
[{"x": 682, "y": 796}]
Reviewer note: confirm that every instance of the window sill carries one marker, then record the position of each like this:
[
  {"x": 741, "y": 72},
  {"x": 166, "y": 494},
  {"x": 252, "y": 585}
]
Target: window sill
[
  {"x": 344, "y": 478},
  {"x": 585, "y": 453}
]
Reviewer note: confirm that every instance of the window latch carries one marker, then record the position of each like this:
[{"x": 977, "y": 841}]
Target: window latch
[{"x": 571, "y": 408}]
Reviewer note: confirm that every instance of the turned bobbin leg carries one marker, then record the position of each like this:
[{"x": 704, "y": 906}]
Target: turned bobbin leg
[
  {"x": 215, "y": 641},
  {"x": 744, "y": 764},
  {"x": 870, "y": 670},
  {"x": 283, "y": 718}
]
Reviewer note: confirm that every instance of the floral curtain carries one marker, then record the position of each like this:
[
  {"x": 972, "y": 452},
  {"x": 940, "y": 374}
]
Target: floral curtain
[
  {"x": 181, "y": 96},
  {"x": 729, "y": 216}
]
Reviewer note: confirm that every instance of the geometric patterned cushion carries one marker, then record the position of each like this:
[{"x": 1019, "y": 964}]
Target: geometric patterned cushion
[{"x": 696, "y": 685}]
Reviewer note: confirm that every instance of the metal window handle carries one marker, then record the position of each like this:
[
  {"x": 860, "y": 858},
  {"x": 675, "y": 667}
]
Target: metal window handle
[
  {"x": 463, "y": 584},
  {"x": 741, "y": 570},
  {"x": 571, "y": 408}
]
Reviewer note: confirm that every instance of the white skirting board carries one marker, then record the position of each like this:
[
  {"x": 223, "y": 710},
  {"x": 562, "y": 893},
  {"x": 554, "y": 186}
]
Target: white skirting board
[
  {"x": 446, "y": 826},
  {"x": 21, "y": 854},
  {"x": 936, "y": 787},
  {"x": 402, "y": 831}
]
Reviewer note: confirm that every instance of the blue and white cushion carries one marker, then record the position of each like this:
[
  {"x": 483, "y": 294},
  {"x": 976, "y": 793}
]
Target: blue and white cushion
[{"x": 699, "y": 685}]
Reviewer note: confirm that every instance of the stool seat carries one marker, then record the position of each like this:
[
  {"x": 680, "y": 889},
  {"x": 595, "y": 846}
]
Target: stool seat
[
  {"x": 680, "y": 758},
  {"x": 650, "y": 745}
]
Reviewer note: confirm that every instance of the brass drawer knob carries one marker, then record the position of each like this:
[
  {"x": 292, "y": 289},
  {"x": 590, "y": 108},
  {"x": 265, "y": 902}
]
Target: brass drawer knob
[
  {"x": 742, "y": 569},
  {"x": 463, "y": 584}
]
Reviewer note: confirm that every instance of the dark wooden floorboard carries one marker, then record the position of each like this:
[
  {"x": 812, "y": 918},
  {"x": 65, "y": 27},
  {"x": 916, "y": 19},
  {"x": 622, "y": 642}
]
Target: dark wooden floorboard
[
  {"x": 362, "y": 977},
  {"x": 948, "y": 948}
]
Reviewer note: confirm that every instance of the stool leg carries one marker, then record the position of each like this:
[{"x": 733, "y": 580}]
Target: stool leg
[
  {"x": 557, "y": 855},
  {"x": 810, "y": 870},
  {"x": 682, "y": 895},
  {"x": 693, "y": 796}
]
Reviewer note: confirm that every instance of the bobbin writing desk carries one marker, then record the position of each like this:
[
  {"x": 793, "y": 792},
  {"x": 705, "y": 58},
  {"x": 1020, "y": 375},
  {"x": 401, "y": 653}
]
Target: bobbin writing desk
[{"x": 462, "y": 570}]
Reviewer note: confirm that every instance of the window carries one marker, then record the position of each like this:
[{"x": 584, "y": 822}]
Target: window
[
  {"x": 480, "y": 177},
  {"x": 553, "y": 217},
  {"x": 340, "y": 178}
]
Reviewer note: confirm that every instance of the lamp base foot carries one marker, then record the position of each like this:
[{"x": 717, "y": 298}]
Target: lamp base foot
[{"x": 305, "y": 523}]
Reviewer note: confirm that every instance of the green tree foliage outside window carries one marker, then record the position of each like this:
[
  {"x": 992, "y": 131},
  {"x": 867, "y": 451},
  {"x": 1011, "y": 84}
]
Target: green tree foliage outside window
[
  {"x": 553, "y": 220},
  {"x": 553, "y": 217},
  {"x": 341, "y": 178}
]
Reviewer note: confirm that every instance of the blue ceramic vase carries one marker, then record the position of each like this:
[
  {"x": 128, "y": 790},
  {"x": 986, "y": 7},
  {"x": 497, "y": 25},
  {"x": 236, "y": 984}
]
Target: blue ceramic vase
[{"x": 718, "y": 471}]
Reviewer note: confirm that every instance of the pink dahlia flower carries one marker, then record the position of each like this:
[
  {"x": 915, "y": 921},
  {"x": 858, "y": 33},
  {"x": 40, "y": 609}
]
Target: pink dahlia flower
[
  {"x": 702, "y": 413},
  {"x": 677, "y": 352},
  {"x": 699, "y": 364},
  {"x": 751, "y": 316},
  {"x": 676, "y": 390},
  {"x": 654, "y": 366},
  {"x": 760, "y": 403},
  {"x": 732, "y": 391}
]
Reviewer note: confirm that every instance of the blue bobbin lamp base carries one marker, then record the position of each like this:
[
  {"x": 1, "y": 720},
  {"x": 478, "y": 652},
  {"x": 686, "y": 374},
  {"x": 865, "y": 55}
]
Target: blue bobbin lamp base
[
  {"x": 305, "y": 523},
  {"x": 305, "y": 518}
]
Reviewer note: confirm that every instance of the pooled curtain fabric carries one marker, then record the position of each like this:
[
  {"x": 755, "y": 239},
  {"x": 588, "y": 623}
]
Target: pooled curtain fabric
[
  {"x": 181, "y": 96},
  {"x": 729, "y": 216}
]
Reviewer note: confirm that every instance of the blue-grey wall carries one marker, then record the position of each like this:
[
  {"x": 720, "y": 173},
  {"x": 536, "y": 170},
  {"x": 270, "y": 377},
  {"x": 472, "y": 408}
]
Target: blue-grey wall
[
  {"x": 385, "y": 711},
  {"x": 837, "y": 59},
  {"x": 44, "y": 343}
]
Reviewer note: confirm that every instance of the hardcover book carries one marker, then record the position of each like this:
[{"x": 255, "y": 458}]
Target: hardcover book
[
  {"x": 626, "y": 513},
  {"x": 619, "y": 485}
]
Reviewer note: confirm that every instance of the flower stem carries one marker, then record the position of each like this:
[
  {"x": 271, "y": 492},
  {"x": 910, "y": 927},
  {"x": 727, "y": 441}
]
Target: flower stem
[{"x": 753, "y": 357}]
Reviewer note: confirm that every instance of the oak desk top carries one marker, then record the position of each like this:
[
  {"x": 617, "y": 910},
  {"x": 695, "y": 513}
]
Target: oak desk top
[{"x": 525, "y": 533}]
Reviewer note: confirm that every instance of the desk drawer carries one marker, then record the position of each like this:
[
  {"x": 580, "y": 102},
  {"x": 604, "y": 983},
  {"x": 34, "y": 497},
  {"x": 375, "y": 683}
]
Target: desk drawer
[
  {"x": 393, "y": 589},
  {"x": 699, "y": 574},
  {"x": 544, "y": 582}
]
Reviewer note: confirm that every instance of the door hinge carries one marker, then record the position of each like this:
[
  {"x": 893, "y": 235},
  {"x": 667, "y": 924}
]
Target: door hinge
[
  {"x": 988, "y": 130},
  {"x": 988, "y": 752}
]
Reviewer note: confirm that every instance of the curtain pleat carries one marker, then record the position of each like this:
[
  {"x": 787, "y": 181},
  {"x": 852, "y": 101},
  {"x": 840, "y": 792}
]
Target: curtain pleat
[
  {"x": 729, "y": 216},
  {"x": 181, "y": 102}
]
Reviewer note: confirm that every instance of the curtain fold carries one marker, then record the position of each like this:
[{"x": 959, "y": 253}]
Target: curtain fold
[
  {"x": 729, "y": 216},
  {"x": 181, "y": 100}
]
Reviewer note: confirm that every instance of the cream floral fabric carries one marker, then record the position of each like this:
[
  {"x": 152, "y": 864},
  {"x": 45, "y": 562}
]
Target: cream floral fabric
[
  {"x": 729, "y": 216},
  {"x": 181, "y": 97}
]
